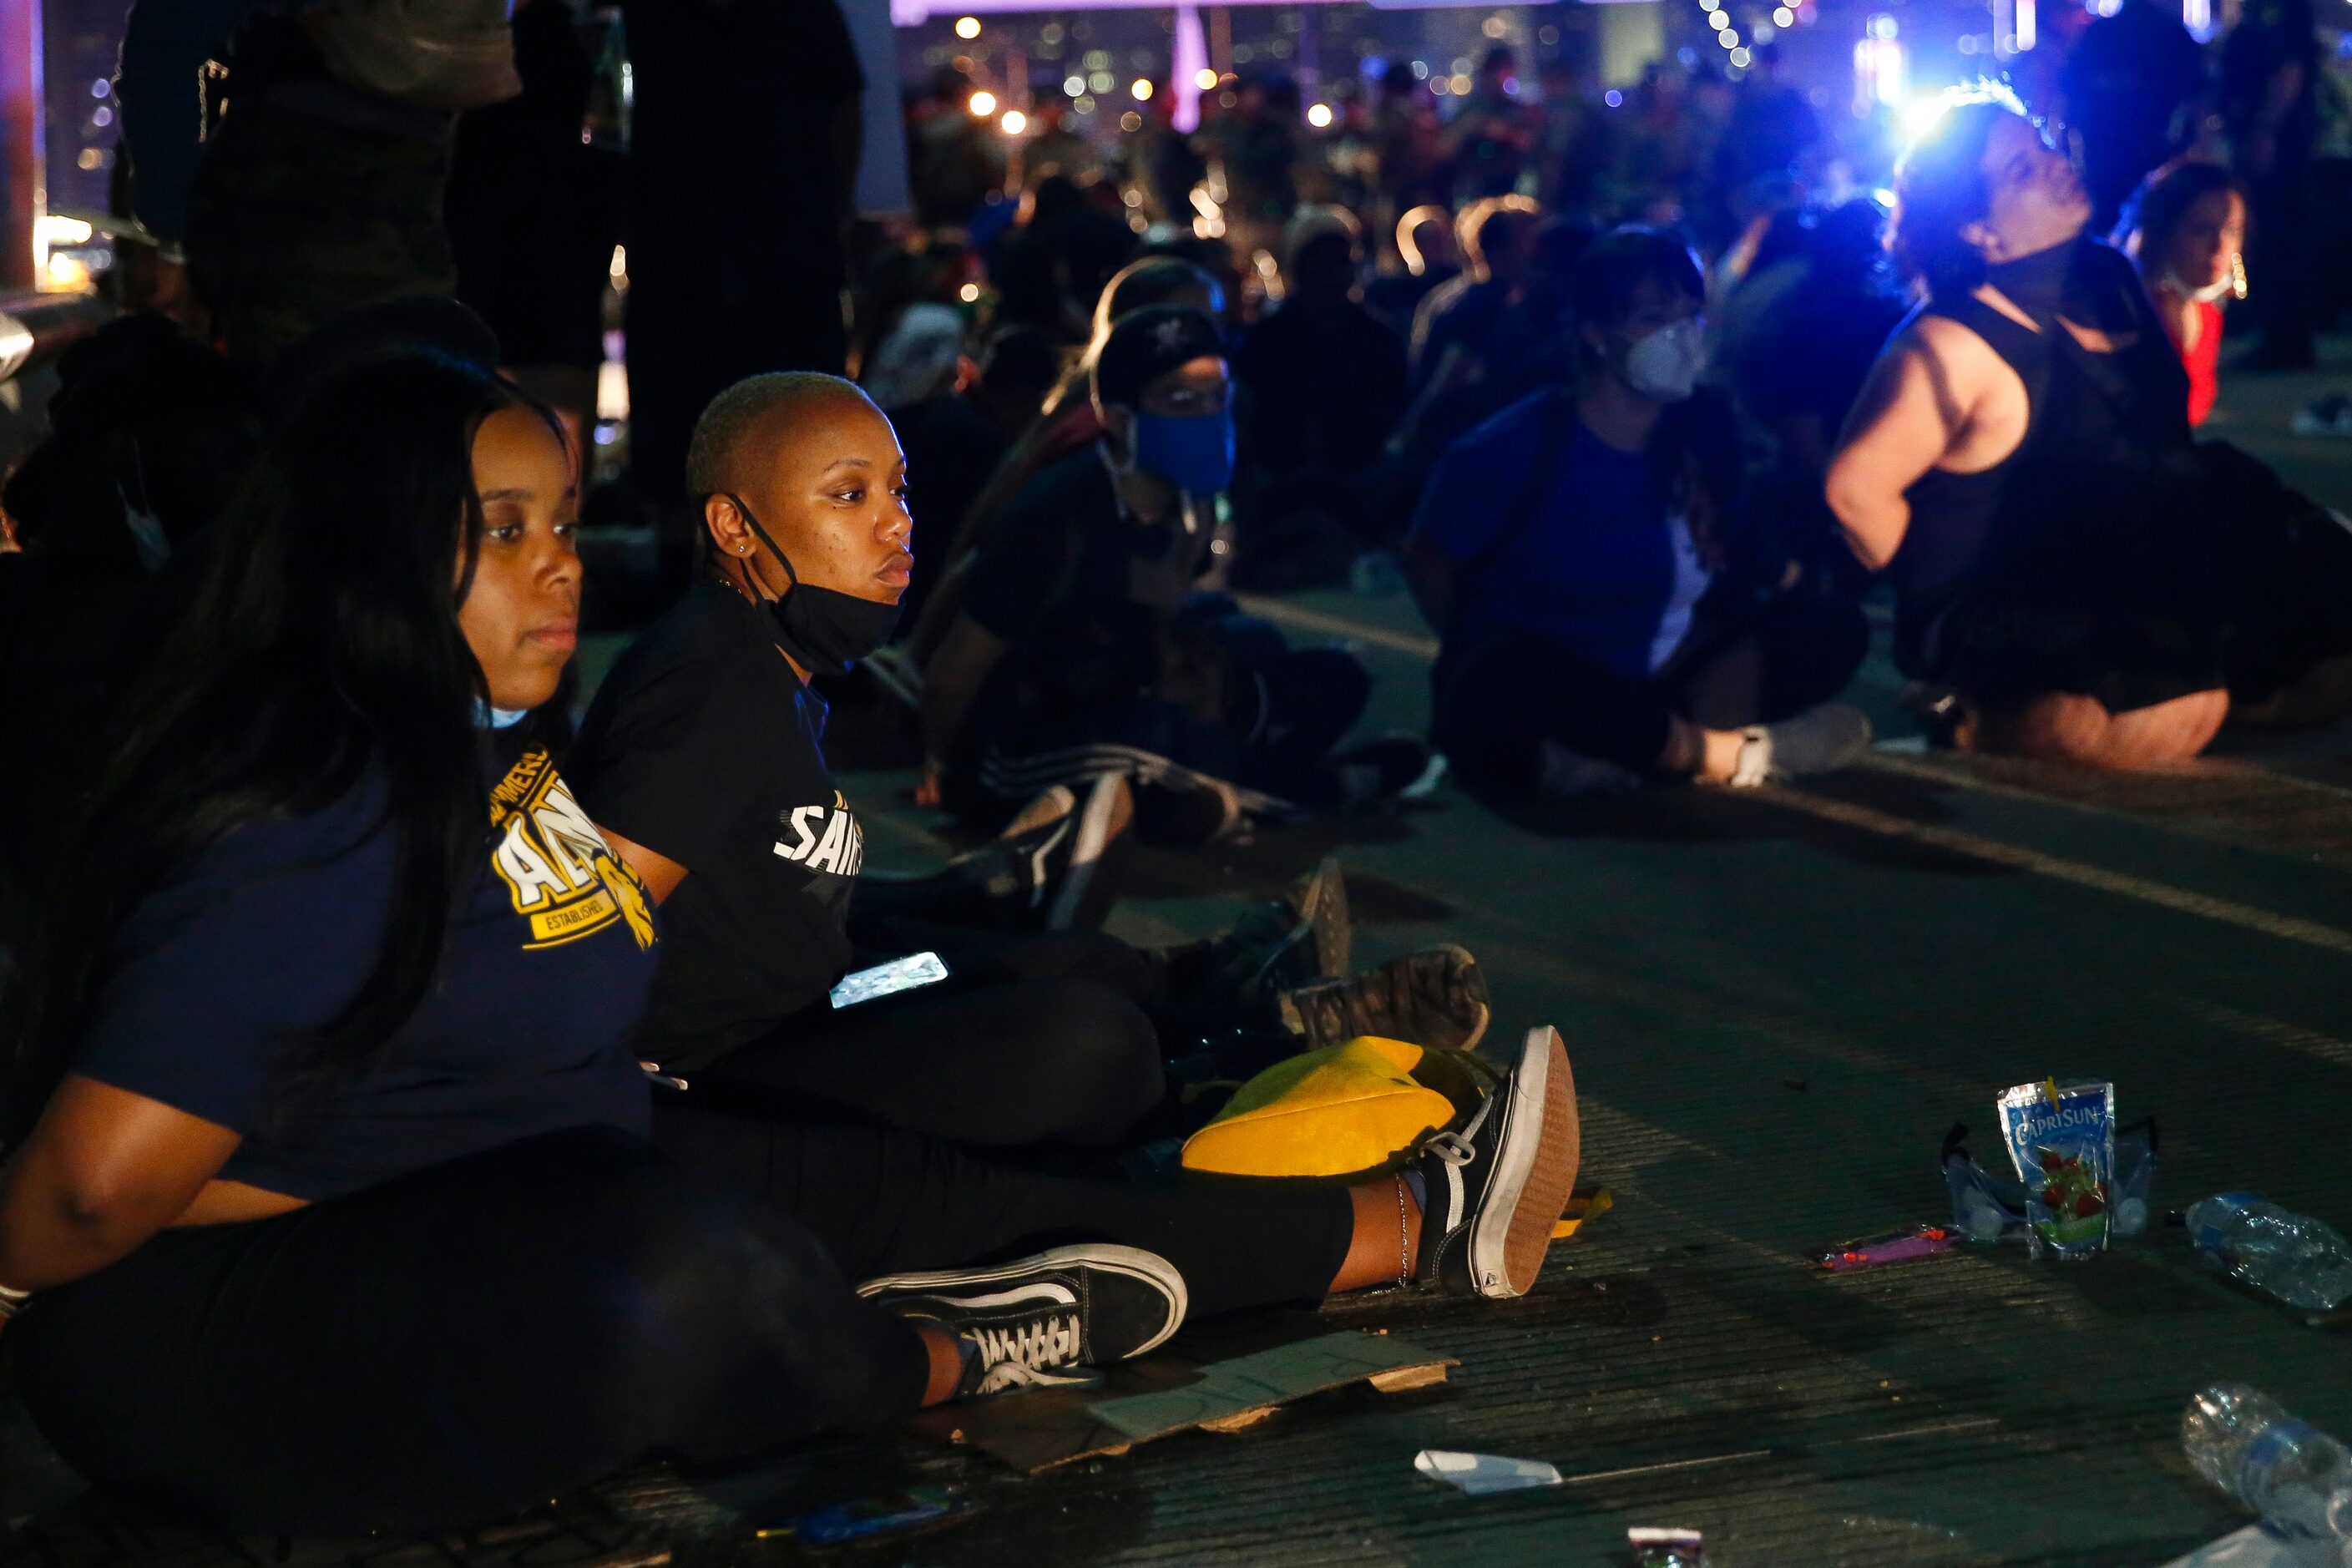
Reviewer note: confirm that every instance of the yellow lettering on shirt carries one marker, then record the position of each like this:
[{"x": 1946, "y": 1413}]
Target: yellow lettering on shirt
[{"x": 556, "y": 868}]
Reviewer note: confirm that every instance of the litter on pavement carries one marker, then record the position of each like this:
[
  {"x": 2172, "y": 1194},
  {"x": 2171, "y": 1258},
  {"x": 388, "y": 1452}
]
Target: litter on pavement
[{"x": 1479, "y": 1474}]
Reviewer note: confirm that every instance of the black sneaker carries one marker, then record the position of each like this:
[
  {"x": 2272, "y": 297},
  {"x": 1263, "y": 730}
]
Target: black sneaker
[
  {"x": 1039, "y": 874},
  {"x": 1297, "y": 939},
  {"x": 1025, "y": 1324},
  {"x": 1497, "y": 1183},
  {"x": 1435, "y": 998}
]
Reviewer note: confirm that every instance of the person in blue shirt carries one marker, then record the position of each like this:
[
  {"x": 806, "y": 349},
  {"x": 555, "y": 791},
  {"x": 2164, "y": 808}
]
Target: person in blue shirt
[{"x": 1602, "y": 619}]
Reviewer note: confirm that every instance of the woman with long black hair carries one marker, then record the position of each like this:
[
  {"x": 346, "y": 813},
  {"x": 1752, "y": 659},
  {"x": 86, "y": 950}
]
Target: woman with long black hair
[{"x": 335, "y": 1198}]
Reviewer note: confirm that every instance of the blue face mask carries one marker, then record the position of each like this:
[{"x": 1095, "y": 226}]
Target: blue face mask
[
  {"x": 1194, "y": 452},
  {"x": 489, "y": 718}
]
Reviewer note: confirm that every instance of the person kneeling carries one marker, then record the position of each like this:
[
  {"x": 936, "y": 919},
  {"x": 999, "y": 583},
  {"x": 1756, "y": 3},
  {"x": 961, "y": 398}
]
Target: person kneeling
[{"x": 2074, "y": 578}]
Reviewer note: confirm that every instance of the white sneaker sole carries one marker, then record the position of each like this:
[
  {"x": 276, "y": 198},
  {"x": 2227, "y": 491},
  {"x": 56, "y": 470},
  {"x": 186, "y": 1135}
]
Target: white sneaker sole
[
  {"x": 1535, "y": 1169},
  {"x": 1132, "y": 1261}
]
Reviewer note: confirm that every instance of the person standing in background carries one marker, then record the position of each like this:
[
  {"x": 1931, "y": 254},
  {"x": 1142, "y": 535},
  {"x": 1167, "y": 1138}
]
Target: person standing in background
[
  {"x": 743, "y": 153},
  {"x": 322, "y": 192},
  {"x": 2270, "y": 104},
  {"x": 1488, "y": 140},
  {"x": 2126, "y": 88},
  {"x": 534, "y": 212}
]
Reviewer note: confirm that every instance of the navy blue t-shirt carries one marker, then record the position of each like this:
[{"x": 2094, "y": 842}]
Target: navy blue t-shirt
[
  {"x": 275, "y": 928},
  {"x": 1597, "y": 562}
]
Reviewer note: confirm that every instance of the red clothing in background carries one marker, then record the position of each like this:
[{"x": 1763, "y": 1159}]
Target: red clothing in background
[{"x": 2204, "y": 360}]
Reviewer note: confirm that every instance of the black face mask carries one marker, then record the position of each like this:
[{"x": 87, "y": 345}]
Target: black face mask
[
  {"x": 2079, "y": 280},
  {"x": 2039, "y": 284},
  {"x": 823, "y": 630}
]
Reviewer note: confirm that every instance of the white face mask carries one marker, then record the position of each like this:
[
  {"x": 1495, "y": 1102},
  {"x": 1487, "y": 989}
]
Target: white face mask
[
  {"x": 1666, "y": 364},
  {"x": 2226, "y": 284}
]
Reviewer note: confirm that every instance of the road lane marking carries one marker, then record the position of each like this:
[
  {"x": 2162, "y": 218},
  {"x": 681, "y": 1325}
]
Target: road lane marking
[{"x": 2057, "y": 867}]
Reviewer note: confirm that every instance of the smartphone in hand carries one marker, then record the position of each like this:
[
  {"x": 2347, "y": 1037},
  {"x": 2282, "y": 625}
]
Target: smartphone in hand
[{"x": 887, "y": 979}]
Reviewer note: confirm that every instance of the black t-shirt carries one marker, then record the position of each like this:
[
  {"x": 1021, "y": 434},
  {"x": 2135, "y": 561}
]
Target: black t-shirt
[
  {"x": 703, "y": 746},
  {"x": 272, "y": 931},
  {"x": 1064, "y": 547}
]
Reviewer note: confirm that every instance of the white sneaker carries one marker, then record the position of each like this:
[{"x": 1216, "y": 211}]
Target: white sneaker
[{"x": 1820, "y": 739}]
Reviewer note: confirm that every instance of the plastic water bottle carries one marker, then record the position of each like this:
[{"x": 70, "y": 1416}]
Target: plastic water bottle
[
  {"x": 2300, "y": 1260},
  {"x": 2297, "y": 1477}
]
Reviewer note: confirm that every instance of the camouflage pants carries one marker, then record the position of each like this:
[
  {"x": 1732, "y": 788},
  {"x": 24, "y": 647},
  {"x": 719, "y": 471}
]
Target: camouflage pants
[{"x": 294, "y": 220}]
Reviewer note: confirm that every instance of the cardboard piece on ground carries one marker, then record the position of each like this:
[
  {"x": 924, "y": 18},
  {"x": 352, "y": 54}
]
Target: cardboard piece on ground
[
  {"x": 1152, "y": 1398},
  {"x": 1587, "y": 1202},
  {"x": 2247, "y": 1548}
]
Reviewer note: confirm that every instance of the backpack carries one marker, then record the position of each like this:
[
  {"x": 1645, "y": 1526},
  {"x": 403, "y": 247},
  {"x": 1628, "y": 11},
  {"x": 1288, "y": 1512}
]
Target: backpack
[{"x": 427, "y": 54}]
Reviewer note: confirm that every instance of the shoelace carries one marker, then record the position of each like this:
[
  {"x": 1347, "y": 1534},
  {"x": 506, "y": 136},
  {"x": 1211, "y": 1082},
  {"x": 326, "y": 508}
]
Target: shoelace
[
  {"x": 1049, "y": 1341},
  {"x": 1454, "y": 1148},
  {"x": 1011, "y": 1374}
]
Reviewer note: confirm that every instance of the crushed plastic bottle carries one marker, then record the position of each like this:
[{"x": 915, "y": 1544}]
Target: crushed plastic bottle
[
  {"x": 2297, "y": 1477},
  {"x": 2302, "y": 1261}
]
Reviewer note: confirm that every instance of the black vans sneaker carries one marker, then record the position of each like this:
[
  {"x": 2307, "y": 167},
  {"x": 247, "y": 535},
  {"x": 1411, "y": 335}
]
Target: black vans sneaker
[
  {"x": 1435, "y": 998},
  {"x": 1497, "y": 1183},
  {"x": 1027, "y": 1323},
  {"x": 1039, "y": 874}
]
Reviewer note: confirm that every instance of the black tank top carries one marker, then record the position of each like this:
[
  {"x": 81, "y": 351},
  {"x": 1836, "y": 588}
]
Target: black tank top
[{"x": 2098, "y": 481}]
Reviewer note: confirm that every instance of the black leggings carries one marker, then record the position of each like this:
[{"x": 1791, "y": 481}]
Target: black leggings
[
  {"x": 1741, "y": 663},
  {"x": 884, "y": 1201},
  {"x": 458, "y": 1344},
  {"x": 471, "y": 1340},
  {"x": 1031, "y": 1038}
]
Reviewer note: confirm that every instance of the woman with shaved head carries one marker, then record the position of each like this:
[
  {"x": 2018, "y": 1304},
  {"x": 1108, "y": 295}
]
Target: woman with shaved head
[{"x": 702, "y": 760}]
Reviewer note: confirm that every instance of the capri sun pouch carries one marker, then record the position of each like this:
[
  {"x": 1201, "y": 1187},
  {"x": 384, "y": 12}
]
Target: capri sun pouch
[{"x": 2062, "y": 1140}]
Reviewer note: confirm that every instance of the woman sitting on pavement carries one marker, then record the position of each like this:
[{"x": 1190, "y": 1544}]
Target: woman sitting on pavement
[
  {"x": 1600, "y": 620},
  {"x": 336, "y": 1209},
  {"x": 2186, "y": 230},
  {"x": 701, "y": 759},
  {"x": 2075, "y": 579}
]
